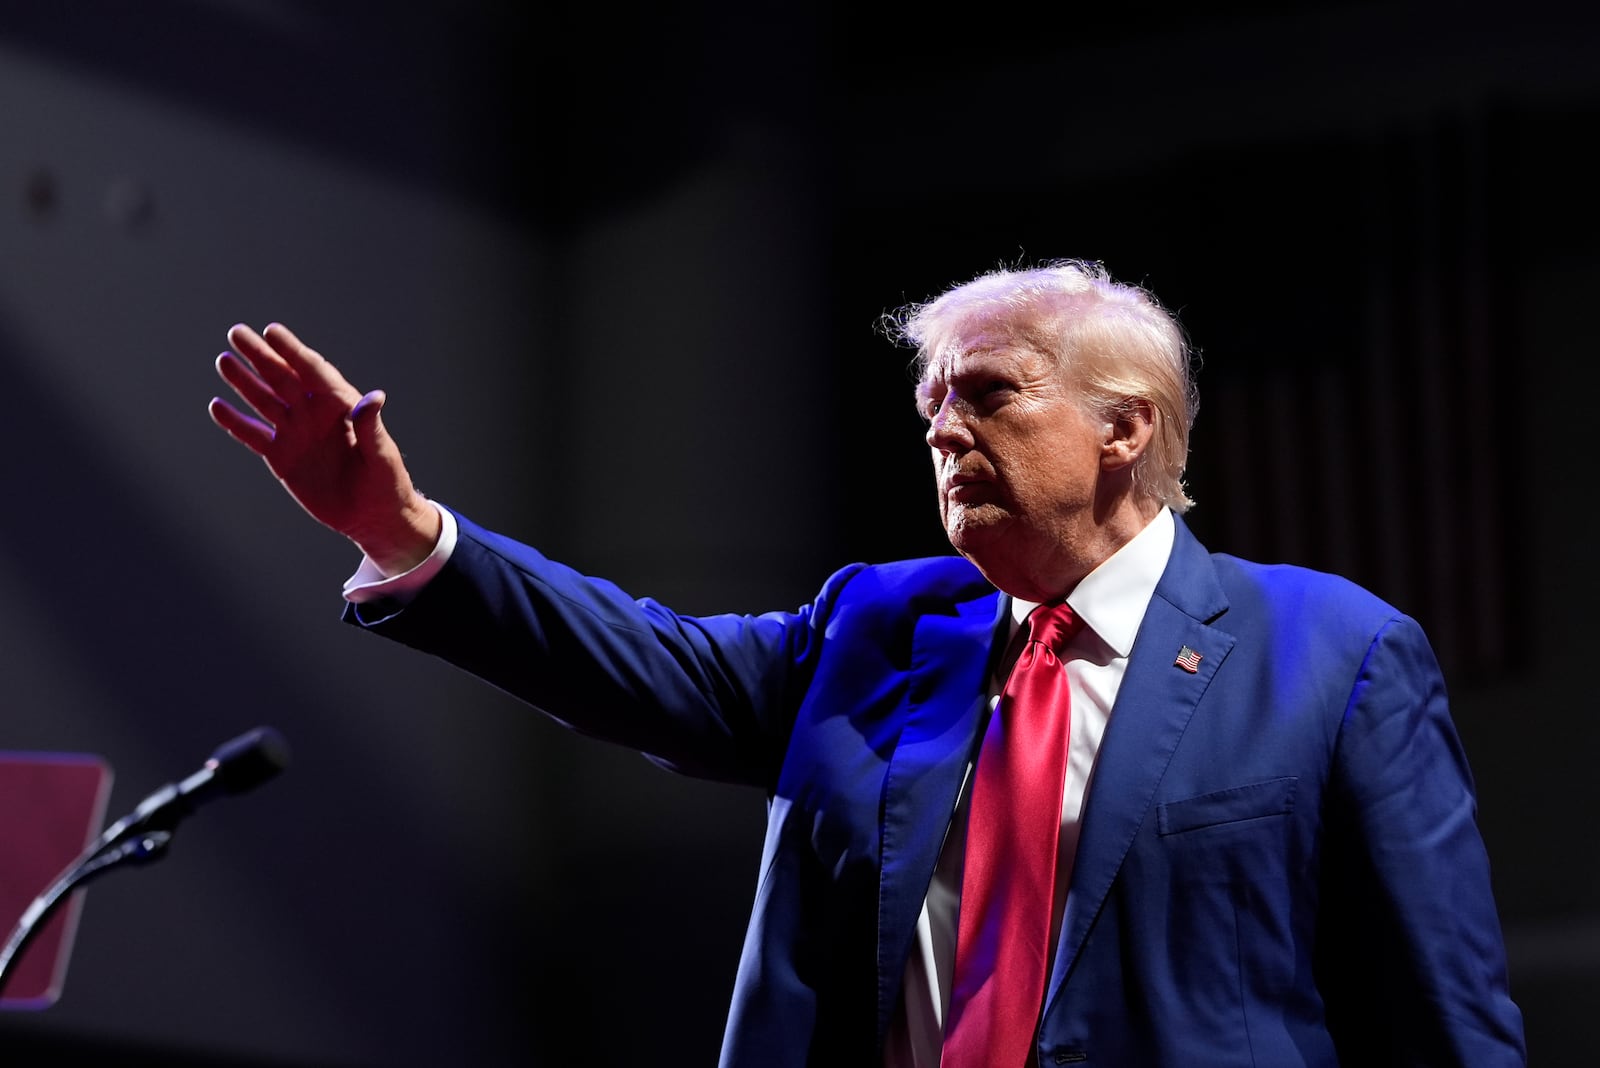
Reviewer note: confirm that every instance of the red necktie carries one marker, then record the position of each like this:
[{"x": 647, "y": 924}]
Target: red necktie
[{"x": 1008, "y": 877}]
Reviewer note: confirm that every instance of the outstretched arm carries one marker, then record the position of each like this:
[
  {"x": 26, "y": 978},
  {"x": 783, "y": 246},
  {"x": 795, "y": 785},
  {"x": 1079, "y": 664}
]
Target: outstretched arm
[{"x": 325, "y": 442}]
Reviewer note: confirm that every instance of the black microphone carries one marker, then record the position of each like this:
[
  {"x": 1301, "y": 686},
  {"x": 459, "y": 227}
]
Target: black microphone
[{"x": 240, "y": 764}]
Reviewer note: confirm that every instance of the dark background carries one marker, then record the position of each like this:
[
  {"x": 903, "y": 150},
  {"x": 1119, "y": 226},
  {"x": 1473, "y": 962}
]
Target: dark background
[{"x": 620, "y": 271}]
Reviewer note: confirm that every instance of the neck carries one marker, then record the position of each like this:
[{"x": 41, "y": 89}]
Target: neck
[{"x": 1050, "y": 576}]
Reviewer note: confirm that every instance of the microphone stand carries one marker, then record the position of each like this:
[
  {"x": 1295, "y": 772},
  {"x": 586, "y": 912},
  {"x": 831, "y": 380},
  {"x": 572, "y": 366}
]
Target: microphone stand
[
  {"x": 141, "y": 849},
  {"x": 143, "y": 836}
]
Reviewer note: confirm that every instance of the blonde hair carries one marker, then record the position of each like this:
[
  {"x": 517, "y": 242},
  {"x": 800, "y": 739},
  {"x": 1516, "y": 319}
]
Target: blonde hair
[{"x": 1114, "y": 341}]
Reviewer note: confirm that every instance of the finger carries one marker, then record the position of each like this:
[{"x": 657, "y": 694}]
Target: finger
[
  {"x": 250, "y": 387},
  {"x": 265, "y": 360},
  {"x": 315, "y": 373},
  {"x": 367, "y": 422},
  {"x": 251, "y": 433}
]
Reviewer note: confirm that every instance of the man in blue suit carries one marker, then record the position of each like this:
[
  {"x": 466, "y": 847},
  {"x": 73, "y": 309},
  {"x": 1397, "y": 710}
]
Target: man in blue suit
[{"x": 1266, "y": 852}]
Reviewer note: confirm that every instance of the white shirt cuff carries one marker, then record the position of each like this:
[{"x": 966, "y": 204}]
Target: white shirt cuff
[{"x": 369, "y": 583}]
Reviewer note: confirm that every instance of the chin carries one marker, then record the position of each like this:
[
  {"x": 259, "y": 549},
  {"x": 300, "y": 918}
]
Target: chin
[{"x": 970, "y": 537}]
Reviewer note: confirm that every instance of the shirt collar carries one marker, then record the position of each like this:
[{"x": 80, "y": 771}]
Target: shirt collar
[{"x": 1112, "y": 598}]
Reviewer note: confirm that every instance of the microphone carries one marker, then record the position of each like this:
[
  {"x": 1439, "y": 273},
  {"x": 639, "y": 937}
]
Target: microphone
[
  {"x": 241, "y": 764},
  {"x": 237, "y": 765}
]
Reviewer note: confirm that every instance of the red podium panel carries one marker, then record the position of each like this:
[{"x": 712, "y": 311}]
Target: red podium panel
[{"x": 52, "y": 806}]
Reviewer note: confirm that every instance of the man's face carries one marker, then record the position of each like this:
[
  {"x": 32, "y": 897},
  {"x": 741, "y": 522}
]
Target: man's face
[{"x": 1018, "y": 462}]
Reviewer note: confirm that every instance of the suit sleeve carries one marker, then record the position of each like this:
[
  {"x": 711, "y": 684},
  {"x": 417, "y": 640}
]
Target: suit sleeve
[
  {"x": 710, "y": 696},
  {"x": 1418, "y": 972}
]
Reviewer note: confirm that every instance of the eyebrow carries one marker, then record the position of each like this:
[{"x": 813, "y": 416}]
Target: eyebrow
[{"x": 925, "y": 388}]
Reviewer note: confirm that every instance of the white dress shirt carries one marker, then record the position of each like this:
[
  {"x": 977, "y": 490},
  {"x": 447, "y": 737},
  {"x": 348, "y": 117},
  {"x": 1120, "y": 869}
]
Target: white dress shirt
[{"x": 1111, "y": 601}]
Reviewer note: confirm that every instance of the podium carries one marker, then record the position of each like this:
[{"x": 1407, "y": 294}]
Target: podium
[{"x": 52, "y": 806}]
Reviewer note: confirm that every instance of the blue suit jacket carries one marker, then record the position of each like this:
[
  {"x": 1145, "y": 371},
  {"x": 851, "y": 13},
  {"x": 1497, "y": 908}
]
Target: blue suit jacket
[{"x": 1279, "y": 862}]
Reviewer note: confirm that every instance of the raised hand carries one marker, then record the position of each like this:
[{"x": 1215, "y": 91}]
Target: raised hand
[{"x": 325, "y": 442}]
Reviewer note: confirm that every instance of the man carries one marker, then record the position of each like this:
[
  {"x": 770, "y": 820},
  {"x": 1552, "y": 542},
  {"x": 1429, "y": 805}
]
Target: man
[{"x": 1259, "y": 844}]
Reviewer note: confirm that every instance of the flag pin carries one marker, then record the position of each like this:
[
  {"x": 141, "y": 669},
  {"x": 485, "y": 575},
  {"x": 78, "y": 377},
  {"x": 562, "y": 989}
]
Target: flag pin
[{"x": 1188, "y": 659}]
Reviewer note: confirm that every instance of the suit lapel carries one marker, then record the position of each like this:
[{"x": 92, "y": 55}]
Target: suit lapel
[
  {"x": 1153, "y": 707},
  {"x": 945, "y": 697}
]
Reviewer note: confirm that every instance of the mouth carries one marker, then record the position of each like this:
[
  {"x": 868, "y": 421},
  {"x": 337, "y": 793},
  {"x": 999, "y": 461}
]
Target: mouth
[{"x": 967, "y": 488}]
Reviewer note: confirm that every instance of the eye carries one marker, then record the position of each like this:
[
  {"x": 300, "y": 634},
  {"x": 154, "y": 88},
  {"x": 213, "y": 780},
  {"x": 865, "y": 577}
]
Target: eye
[{"x": 995, "y": 390}]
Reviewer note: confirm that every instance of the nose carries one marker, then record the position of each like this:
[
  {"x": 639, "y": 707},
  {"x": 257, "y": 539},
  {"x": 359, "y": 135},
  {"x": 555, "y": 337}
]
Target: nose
[{"x": 947, "y": 430}]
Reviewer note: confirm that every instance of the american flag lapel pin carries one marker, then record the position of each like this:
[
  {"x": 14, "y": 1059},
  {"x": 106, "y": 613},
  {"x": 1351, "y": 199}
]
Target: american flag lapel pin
[{"x": 1188, "y": 659}]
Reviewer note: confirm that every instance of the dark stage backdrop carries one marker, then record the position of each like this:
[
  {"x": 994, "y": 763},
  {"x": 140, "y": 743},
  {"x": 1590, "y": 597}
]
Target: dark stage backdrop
[{"x": 620, "y": 272}]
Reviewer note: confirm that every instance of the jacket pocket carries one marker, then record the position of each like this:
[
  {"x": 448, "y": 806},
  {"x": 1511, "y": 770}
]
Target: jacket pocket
[{"x": 1273, "y": 797}]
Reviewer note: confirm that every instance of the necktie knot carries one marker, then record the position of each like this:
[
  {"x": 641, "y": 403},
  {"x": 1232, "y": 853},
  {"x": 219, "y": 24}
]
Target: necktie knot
[{"x": 1053, "y": 625}]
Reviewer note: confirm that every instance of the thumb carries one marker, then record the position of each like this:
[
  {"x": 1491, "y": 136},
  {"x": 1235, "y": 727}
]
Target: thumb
[{"x": 365, "y": 417}]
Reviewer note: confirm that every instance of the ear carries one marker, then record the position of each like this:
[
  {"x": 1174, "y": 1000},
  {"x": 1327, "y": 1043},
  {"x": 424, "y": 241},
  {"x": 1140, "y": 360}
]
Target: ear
[{"x": 1128, "y": 433}]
